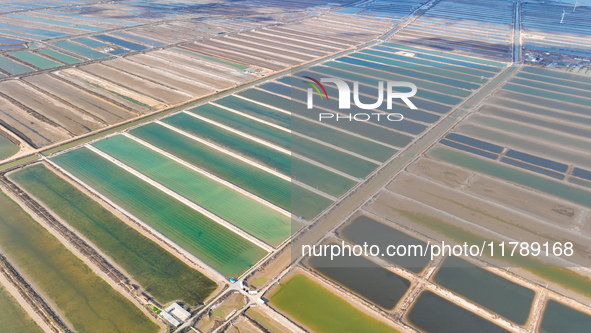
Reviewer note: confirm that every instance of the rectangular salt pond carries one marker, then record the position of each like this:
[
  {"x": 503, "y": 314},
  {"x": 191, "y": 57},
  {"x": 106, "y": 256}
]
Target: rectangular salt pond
[
  {"x": 209, "y": 241},
  {"x": 581, "y": 173},
  {"x": 60, "y": 56},
  {"x": 560, "y": 167},
  {"x": 55, "y": 22},
  {"x": 555, "y": 74},
  {"x": 146, "y": 41},
  {"x": 42, "y": 32},
  {"x": 344, "y": 162},
  {"x": 84, "y": 298},
  {"x": 434, "y": 314},
  {"x": 518, "y": 140},
  {"x": 247, "y": 214},
  {"x": 360, "y": 61},
  {"x": 258, "y": 182},
  {"x": 355, "y": 73},
  {"x": 84, "y": 51},
  {"x": 581, "y": 182},
  {"x": 538, "y": 105},
  {"x": 5, "y": 40},
  {"x": 558, "y": 88},
  {"x": 24, "y": 35},
  {"x": 154, "y": 268},
  {"x": 441, "y": 57},
  {"x": 432, "y": 68},
  {"x": 364, "y": 229},
  {"x": 237, "y": 66},
  {"x": 255, "y": 151},
  {"x": 13, "y": 67},
  {"x": 367, "y": 130},
  {"x": 547, "y": 135},
  {"x": 418, "y": 61},
  {"x": 7, "y": 148},
  {"x": 310, "y": 128},
  {"x": 502, "y": 296},
  {"x": 468, "y": 149},
  {"x": 12, "y": 47},
  {"x": 320, "y": 309},
  {"x": 122, "y": 43},
  {"x": 403, "y": 125},
  {"x": 546, "y": 94},
  {"x": 431, "y": 93},
  {"x": 63, "y": 12},
  {"x": 363, "y": 277},
  {"x": 90, "y": 42},
  {"x": 14, "y": 318},
  {"x": 448, "y": 55},
  {"x": 422, "y": 104},
  {"x": 559, "y": 318},
  {"x": 35, "y": 59},
  {"x": 475, "y": 142},
  {"x": 557, "y": 82},
  {"x": 305, "y": 172},
  {"x": 533, "y": 168}
]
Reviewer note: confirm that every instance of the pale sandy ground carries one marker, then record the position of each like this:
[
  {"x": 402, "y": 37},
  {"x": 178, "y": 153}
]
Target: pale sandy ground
[
  {"x": 71, "y": 120},
  {"x": 185, "y": 85},
  {"x": 232, "y": 302},
  {"x": 548, "y": 208},
  {"x": 82, "y": 80},
  {"x": 99, "y": 108},
  {"x": 142, "y": 98},
  {"x": 507, "y": 221},
  {"x": 276, "y": 321},
  {"x": 570, "y": 218},
  {"x": 243, "y": 325},
  {"x": 446, "y": 174},
  {"x": 263, "y": 275},
  {"x": 385, "y": 204},
  {"x": 165, "y": 95},
  {"x": 40, "y": 135}
]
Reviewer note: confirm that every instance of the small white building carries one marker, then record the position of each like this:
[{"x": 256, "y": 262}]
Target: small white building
[
  {"x": 175, "y": 314},
  {"x": 172, "y": 320}
]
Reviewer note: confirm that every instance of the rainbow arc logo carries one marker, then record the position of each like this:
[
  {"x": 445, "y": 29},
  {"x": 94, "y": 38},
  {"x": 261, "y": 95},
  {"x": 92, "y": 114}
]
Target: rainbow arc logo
[
  {"x": 315, "y": 86},
  {"x": 392, "y": 89}
]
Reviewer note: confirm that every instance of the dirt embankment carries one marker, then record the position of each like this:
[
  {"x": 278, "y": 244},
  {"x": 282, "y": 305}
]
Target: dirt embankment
[
  {"x": 25, "y": 290},
  {"x": 82, "y": 246}
]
